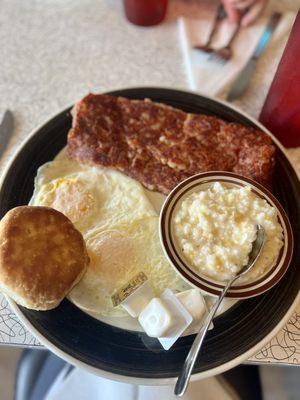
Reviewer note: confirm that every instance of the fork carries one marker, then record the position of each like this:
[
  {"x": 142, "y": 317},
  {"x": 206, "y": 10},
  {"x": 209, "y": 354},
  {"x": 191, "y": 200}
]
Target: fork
[
  {"x": 206, "y": 48},
  {"x": 224, "y": 54}
]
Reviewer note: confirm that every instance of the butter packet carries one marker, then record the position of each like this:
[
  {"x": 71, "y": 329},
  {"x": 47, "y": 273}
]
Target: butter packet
[{"x": 134, "y": 295}]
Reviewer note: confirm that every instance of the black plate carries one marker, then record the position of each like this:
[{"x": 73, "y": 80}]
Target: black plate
[{"x": 133, "y": 354}]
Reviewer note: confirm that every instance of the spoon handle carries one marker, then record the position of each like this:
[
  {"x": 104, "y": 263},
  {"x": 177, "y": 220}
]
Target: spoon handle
[{"x": 185, "y": 374}]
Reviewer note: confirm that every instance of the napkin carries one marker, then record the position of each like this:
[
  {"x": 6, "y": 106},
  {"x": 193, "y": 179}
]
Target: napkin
[{"x": 209, "y": 77}]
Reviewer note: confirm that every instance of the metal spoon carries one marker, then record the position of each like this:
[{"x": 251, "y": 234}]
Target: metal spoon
[{"x": 185, "y": 374}]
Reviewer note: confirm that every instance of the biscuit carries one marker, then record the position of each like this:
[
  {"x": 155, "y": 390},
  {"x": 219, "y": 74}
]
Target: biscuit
[{"x": 42, "y": 256}]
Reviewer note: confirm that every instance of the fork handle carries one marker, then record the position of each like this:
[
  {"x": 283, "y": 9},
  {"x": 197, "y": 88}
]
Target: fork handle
[
  {"x": 220, "y": 14},
  {"x": 233, "y": 36},
  {"x": 185, "y": 374}
]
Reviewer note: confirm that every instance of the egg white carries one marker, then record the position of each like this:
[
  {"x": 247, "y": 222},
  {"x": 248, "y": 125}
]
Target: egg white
[
  {"x": 118, "y": 255},
  {"x": 119, "y": 225},
  {"x": 90, "y": 196}
]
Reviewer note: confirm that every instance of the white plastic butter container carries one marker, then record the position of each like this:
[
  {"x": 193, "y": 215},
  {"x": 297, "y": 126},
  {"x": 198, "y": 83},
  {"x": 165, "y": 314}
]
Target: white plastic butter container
[
  {"x": 195, "y": 304},
  {"x": 165, "y": 318}
]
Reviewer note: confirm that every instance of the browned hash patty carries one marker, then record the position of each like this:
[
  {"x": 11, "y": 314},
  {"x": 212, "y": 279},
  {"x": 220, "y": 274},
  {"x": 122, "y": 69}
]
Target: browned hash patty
[{"x": 160, "y": 146}]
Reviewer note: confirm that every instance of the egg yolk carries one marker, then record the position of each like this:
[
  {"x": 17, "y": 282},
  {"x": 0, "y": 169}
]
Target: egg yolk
[{"x": 69, "y": 197}]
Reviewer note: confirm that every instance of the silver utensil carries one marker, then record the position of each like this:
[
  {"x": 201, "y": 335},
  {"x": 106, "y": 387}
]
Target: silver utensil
[
  {"x": 185, "y": 374},
  {"x": 242, "y": 81},
  {"x": 224, "y": 54},
  {"x": 206, "y": 48},
  {"x": 6, "y": 129}
]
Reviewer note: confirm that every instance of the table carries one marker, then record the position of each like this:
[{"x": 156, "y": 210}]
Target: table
[{"x": 54, "y": 52}]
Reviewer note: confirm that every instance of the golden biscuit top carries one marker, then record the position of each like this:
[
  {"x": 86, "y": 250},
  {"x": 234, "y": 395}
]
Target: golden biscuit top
[{"x": 41, "y": 254}]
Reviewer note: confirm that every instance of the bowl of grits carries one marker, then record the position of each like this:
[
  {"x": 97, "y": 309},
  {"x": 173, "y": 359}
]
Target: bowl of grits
[{"x": 207, "y": 227}]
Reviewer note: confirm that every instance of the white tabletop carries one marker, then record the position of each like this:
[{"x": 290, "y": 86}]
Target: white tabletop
[{"x": 55, "y": 51}]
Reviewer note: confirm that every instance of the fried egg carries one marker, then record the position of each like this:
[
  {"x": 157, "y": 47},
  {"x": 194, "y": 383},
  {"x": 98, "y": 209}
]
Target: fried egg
[
  {"x": 118, "y": 255},
  {"x": 120, "y": 227},
  {"x": 90, "y": 196}
]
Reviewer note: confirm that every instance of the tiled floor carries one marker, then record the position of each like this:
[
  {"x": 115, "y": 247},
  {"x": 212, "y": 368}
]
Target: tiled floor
[{"x": 9, "y": 357}]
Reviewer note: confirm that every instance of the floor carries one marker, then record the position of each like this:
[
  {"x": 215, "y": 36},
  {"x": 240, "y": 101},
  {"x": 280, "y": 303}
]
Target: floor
[{"x": 9, "y": 357}]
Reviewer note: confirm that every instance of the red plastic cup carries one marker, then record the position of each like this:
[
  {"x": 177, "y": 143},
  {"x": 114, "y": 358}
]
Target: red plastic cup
[
  {"x": 281, "y": 111},
  {"x": 145, "y": 12}
]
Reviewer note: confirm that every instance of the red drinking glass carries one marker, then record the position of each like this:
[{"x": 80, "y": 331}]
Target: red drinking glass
[
  {"x": 145, "y": 12},
  {"x": 281, "y": 111}
]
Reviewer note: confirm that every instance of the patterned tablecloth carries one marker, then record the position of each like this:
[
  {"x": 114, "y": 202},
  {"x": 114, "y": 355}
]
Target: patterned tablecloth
[{"x": 53, "y": 52}]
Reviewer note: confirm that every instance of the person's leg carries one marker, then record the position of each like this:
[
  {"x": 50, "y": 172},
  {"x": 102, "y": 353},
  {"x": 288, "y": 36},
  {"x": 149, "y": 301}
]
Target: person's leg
[
  {"x": 245, "y": 380},
  {"x": 38, "y": 369},
  {"x": 36, "y": 372}
]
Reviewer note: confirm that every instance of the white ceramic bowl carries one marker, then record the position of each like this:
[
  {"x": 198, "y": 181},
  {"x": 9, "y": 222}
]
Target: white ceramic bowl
[{"x": 204, "y": 282}]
